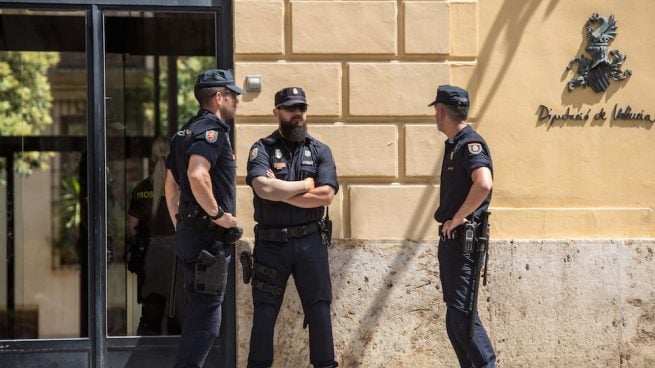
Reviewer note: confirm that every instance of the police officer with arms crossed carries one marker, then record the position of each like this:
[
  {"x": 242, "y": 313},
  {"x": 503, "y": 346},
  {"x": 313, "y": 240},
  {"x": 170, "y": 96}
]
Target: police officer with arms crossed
[
  {"x": 293, "y": 177},
  {"x": 466, "y": 181},
  {"x": 200, "y": 193}
]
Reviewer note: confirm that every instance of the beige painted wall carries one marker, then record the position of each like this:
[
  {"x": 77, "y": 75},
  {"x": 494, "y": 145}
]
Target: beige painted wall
[{"x": 371, "y": 67}]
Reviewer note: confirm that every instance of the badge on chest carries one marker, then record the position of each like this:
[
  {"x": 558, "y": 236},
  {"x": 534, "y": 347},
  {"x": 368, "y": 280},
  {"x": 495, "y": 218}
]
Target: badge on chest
[
  {"x": 307, "y": 158},
  {"x": 278, "y": 164}
]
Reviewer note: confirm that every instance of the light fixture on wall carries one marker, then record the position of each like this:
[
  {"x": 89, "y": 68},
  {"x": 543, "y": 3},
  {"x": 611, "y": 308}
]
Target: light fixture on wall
[{"x": 253, "y": 83}]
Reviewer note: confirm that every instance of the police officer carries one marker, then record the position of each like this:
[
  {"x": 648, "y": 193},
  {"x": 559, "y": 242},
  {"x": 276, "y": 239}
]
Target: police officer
[
  {"x": 293, "y": 177},
  {"x": 152, "y": 247},
  {"x": 466, "y": 181},
  {"x": 200, "y": 193}
]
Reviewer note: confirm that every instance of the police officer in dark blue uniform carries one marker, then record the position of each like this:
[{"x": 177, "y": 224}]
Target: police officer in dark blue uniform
[
  {"x": 294, "y": 178},
  {"x": 200, "y": 194},
  {"x": 466, "y": 181}
]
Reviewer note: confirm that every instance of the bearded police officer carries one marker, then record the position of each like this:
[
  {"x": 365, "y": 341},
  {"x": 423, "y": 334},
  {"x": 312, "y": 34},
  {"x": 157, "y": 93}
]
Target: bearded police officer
[
  {"x": 293, "y": 177},
  {"x": 466, "y": 181},
  {"x": 200, "y": 193}
]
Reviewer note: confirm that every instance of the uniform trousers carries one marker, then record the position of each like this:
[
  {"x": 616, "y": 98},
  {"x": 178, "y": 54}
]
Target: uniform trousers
[
  {"x": 202, "y": 311},
  {"x": 456, "y": 269},
  {"x": 306, "y": 259}
]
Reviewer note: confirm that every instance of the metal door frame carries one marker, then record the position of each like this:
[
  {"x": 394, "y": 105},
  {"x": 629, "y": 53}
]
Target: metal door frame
[{"x": 98, "y": 345}]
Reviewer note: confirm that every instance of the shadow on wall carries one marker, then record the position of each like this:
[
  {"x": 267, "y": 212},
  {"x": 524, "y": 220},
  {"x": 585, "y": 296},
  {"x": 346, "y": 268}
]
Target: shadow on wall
[
  {"x": 362, "y": 336},
  {"x": 512, "y": 19}
]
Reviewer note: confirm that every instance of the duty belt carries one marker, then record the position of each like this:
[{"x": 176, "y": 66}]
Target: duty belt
[
  {"x": 282, "y": 235},
  {"x": 454, "y": 233},
  {"x": 196, "y": 217}
]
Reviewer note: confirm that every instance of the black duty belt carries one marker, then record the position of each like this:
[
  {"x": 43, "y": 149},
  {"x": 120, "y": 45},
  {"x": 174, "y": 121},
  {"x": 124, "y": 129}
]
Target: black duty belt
[
  {"x": 194, "y": 215},
  {"x": 282, "y": 235}
]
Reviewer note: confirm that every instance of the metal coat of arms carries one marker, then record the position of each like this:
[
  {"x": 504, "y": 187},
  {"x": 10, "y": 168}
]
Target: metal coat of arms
[{"x": 604, "y": 64}]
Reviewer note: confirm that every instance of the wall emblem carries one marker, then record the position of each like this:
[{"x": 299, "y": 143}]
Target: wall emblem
[{"x": 604, "y": 64}]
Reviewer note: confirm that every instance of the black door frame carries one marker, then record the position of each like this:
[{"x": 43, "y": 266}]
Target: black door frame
[{"x": 98, "y": 345}]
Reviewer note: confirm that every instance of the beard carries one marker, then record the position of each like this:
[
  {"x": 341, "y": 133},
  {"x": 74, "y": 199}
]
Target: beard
[
  {"x": 294, "y": 130},
  {"x": 227, "y": 113}
]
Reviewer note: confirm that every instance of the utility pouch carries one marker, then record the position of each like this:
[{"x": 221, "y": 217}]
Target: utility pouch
[{"x": 210, "y": 273}]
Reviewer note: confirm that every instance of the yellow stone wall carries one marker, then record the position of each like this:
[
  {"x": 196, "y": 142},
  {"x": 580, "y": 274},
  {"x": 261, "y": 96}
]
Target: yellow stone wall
[{"x": 371, "y": 67}]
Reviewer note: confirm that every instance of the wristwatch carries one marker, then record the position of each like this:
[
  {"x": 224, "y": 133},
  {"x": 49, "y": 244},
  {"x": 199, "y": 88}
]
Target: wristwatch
[{"x": 218, "y": 215}]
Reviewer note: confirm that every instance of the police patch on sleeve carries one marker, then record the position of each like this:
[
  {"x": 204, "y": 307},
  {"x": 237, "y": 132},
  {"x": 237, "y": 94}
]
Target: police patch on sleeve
[
  {"x": 253, "y": 153},
  {"x": 211, "y": 136},
  {"x": 475, "y": 148}
]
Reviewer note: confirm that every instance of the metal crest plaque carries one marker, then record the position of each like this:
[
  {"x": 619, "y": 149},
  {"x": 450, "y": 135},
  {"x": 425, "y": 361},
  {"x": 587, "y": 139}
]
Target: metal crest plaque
[{"x": 603, "y": 65}]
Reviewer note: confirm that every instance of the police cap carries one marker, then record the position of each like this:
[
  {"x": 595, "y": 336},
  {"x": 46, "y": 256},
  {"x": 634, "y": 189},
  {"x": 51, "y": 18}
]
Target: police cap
[
  {"x": 217, "y": 78},
  {"x": 290, "y": 96},
  {"x": 453, "y": 96}
]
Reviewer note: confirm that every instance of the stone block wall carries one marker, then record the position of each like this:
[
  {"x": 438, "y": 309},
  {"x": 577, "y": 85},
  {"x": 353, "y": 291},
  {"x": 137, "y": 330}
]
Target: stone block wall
[{"x": 552, "y": 303}]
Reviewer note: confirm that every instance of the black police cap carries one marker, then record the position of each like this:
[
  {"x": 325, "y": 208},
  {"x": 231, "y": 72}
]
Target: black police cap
[
  {"x": 453, "y": 96},
  {"x": 290, "y": 96},
  {"x": 218, "y": 78}
]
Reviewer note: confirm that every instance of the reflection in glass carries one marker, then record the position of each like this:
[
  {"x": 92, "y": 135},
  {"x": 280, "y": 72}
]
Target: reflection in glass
[
  {"x": 42, "y": 132},
  {"x": 149, "y": 92}
]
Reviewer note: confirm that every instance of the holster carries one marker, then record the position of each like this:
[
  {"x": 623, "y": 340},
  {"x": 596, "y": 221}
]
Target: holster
[
  {"x": 137, "y": 252},
  {"x": 325, "y": 225},
  {"x": 138, "y": 248},
  {"x": 247, "y": 266},
  {"x": 210, "y": 273}
]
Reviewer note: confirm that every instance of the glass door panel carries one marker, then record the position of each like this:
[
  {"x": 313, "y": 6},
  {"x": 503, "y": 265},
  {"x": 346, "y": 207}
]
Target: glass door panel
[
  {"x": 151, "y": 61},
  {"x": 43, "y": 125}
]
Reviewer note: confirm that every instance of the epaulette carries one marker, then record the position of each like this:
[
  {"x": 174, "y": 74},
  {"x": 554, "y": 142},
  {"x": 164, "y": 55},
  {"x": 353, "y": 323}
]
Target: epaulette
[{"x": 271, "y": 139}]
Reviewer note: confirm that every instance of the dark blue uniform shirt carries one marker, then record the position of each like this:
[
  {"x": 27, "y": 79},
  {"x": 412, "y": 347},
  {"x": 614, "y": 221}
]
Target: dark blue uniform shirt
[
  {"x": 290, "y": 162},
  {"x": 466, "y": 152},
  {"x": 207, "y": 136}
]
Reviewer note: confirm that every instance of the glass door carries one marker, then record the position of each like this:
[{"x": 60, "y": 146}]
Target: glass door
[
  {"x": 43, "y": 122},
  {"x": 151, "y": 62}
]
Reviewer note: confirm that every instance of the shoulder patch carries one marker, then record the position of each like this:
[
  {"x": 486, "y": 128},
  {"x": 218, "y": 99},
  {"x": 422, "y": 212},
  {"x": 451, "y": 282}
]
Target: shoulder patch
[
  {"x": 211, "y": 136},
  {"x": 475, "y": 148},
  {"x": 253, "y": 153}
]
